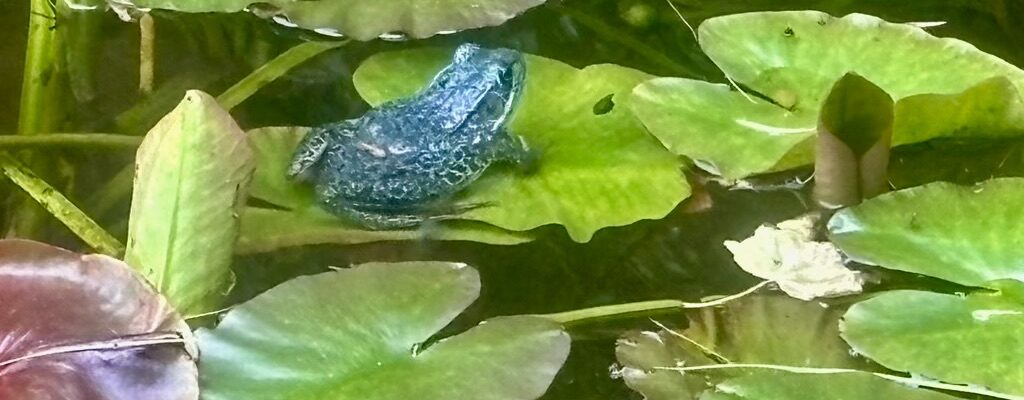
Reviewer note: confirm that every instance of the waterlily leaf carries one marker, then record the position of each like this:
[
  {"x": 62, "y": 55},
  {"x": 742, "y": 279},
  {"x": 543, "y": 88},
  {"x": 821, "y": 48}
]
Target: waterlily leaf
[
  {"x": 974, "y": 339},
  {"x": 965, "y": 234},
  {"x": 266, "y": 229},
  {"x": 72, "y": 326},
  {"x": 756, "y": 329},
  {"x": 358, "y": 333},
  {"x": 793, "y": 58},
  {"x": 301, "y": 221},
  {"x": 368, "y": 19},
  {"x": 852, "y": 386},
  {"x": 192, "y": 171},
  {"x": 595, "y": 170}
]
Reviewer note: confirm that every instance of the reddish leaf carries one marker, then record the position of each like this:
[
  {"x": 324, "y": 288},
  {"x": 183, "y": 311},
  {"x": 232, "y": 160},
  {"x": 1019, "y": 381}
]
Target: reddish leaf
[{"x": 83, "y": 327}]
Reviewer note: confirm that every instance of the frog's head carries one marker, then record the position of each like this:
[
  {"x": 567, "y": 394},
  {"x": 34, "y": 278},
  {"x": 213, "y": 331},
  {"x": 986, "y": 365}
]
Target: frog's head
[{"x": 491, "y": 82}]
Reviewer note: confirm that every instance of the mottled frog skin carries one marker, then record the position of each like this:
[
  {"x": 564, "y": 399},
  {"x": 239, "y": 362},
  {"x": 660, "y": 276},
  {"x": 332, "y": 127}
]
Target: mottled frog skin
[{"x": 400, "y": 163}]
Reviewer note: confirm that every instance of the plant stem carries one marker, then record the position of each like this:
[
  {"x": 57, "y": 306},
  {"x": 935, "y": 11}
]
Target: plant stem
[
  {"x": 41, "y": 107},
  {"x": 72, "y": 140},
  {"x": 626, "y": 40},
  {"x": 272, "y": 70},
  {"x": 576, "y": 317},
  {"x": 147, "y": 37},
  {"x": 60, "y": 207}
]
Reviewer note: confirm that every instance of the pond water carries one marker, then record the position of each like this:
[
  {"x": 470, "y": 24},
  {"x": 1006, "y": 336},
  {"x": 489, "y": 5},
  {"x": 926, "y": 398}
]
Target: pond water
[{"x": 679, "y": 256}]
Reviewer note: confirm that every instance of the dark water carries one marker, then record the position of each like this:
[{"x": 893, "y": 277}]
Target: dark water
[{"x": 678, "y": 257}]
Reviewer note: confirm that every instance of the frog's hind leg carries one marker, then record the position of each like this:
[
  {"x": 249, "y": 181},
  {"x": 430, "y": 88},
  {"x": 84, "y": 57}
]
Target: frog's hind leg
[{"x": 312, "y": 147}]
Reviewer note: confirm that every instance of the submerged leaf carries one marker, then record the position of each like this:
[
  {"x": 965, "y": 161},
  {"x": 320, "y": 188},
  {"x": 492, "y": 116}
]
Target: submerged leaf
[
  {"x": 368, "y": 19},
  {"x": 192, "y": 171},
  {"x": 847, "y": 386},
  {"x": 965, "y": 234},
  {"x": 756, "y": 329},
  {"x": 359, "y": 333},
  {"x": 77, "y": 323},
  {"x": 594, "y": 170},
  {"x": 854, "y": 131},
  {"x": 792, "y": 58},
  {"x": 974, "y": 339}
]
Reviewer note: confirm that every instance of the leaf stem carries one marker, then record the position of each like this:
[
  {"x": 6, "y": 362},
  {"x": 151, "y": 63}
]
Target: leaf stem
[
  {"x": 272, "y": 70},
  {"x": 62, "y": 208},
  {"x": 582, "y": 316},
  {"x": 73, "y": 140}
]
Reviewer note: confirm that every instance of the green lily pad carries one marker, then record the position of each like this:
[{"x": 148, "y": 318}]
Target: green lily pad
[
  {"x": 965, "y": 234},
  {"x": 300, "y": 221},
  {"x": 265, "y": 229},
  {"x": 192, "y": 172},
  {"x": 360, "y": 333},
  {"x": 368, "y": 19},
  {"x": 974, "y": 339},
  {"x": 793, "y": 58},
  {"x": 595, "y": 170}
]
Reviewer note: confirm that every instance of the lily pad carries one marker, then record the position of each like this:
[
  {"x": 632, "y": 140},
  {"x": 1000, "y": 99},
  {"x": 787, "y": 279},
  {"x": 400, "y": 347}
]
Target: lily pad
[
  {"x": 595, "y": 170},
  {"x": 363, "y": 333},
  {"x": 368, "y": 19},
  {"x": 793, "y": 58},
  {"x": 300, "y": 220},
  {"x": 74, "y": 327},
  {"x": 192, "y": 172},
  {"x": 974, "y": 339},
  {"x": 965, "y": 234}
]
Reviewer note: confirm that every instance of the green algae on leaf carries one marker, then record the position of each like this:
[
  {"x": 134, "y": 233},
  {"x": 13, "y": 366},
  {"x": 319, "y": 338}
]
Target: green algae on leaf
[
  {"x": 792, "y": 58},
  {"x": 973, "y": 339},
  {"x": 964, "y": 234},
  {"x": 594, "y": 170},
  {"x": 368, "y": 19},
  {"x": 300, "y": 221},
  {"x": 192, "y": 172},
  {"x": 360, "y": 333}
]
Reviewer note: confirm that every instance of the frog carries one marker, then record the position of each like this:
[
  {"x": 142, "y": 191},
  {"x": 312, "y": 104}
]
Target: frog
[{"x": 400, "y": 163}]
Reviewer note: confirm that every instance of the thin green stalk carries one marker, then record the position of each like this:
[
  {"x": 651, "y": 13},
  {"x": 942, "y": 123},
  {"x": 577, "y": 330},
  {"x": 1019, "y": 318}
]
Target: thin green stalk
[
  {"x": 60, "y": 207},
  {"x": 41, "y": 109},
  {"x": 582, "y": 316},
  {"x": 272, "y": 70},
  {"x": 612, "y": 34},
  {"x": 69, "y": 140}
]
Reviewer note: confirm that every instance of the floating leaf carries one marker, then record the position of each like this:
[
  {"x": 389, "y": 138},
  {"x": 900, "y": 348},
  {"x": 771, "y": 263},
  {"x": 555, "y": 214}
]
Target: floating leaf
[
  {"x": 965, "y": 234},
  {"x": 77, "y": 324},
  {"x": 368, "y": 19},
  {"x": 191, "y": 176},
  {"x": 303, "y": 222},
  {"x": 802, "y": 267},
  {"x": 854, "y": 131},
  {"x": 974, "y": 339},
  {"x": 360, "y": 333},
  {"x": 793, "y": 58},
  {"x": 595, "y": 170}
]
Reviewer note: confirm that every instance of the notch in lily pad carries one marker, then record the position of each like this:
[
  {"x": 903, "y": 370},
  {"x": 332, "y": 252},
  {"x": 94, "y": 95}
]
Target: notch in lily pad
[{"x": 854, "y": 132}]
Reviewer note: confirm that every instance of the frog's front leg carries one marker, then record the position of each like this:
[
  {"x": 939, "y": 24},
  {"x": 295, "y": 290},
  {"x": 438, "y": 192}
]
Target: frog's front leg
[
  {"x": 513, "y": 149},
  {"x": 312, "y": 147}
]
